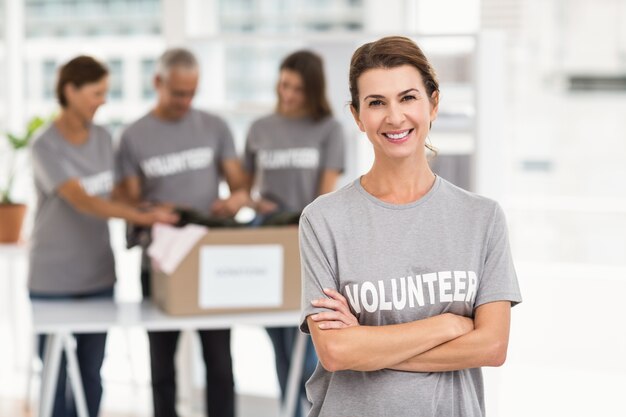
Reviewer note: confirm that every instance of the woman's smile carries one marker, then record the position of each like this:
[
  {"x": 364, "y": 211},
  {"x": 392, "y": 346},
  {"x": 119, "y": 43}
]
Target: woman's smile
[{"x": 398, "y": 136}]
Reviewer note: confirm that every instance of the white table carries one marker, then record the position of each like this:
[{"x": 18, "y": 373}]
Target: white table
[
  {"x": 11, "y": 253},
  {"x": 60, "y": 319}
]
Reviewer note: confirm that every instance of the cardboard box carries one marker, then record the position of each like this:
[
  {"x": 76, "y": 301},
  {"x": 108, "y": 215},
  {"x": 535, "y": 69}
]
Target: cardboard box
[{"x": 234, "y": 271}]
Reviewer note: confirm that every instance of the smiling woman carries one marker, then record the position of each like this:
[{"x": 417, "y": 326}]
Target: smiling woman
[
  {"x": 395, "y": 110},
  {"x": 70, "y": 255},
  {"x": 408, "y": 280}
]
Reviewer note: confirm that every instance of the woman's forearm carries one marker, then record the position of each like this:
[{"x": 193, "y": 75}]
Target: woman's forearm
[
  {"x": 73, "y": 193},
  {"x": 472, "y": 350},
  {"x": 370, "y": 348},
  {"x": 484, "y": 346},
  {"x": 103, "y": 208}
]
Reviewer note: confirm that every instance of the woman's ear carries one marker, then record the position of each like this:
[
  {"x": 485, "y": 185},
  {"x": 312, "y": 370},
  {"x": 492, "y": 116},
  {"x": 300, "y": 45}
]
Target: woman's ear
[
  {"x": 69, "y": 91},
  {"x": 357, "y": 119},
  {"x": 434, "y": 106},
  {"x": 157, "y": 81}
]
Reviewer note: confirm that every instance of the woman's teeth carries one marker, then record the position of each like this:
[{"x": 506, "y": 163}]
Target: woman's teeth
[{"x": 396, "y": 136}]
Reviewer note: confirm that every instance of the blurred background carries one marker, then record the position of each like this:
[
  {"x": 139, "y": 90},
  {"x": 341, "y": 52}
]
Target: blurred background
[{"x": 532, "y": 114}]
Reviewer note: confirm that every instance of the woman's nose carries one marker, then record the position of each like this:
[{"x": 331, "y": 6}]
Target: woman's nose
[{"x": 395, "y": 115}]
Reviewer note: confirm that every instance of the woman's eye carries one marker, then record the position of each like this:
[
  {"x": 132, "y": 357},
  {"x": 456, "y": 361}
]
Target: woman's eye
[
  {"x": 375, "y": 103},
  {"x": 409, "y": 98}
]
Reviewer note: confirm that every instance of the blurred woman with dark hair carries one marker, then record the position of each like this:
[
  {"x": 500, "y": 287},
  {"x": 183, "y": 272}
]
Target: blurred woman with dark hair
[
  {"x": 292, "y": 156},
  {"x": 70, "y": 255}
]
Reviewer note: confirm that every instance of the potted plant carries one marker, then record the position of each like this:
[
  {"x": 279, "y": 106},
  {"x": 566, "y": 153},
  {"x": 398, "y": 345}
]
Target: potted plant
[{"x": 12, "y": 213}]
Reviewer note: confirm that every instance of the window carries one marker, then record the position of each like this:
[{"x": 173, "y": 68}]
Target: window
[
  {"x": 90, "y": 17},
  {"x": 116, "y": 79},
  {"x": 49, "y": 79},
  {"x": 279, "y": 16},
  {"x": 148, "y": 67}
]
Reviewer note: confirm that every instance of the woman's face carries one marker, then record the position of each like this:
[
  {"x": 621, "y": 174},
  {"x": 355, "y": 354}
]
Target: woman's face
[
  {"x": 395, "y": 111},
  {"x": 291, "y": 97},
  {"x": 86, "y": 99}
]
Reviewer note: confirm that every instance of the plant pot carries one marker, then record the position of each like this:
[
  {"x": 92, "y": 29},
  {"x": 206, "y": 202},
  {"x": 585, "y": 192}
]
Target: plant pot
[{"x": 11, "y": 219}]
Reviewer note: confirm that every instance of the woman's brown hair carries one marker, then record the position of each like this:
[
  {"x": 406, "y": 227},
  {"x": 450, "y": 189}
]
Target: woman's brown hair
[
  {"x": 78, "y": 72},
  {"x": 311, "y": 69}
]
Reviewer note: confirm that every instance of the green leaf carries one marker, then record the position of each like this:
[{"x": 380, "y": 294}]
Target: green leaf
[
  {"x": 14, "y": 141},
  {"x": 33, "y": 125},
  {"x": 18, "y": 142},
  {"x": 5, "y": 198}
]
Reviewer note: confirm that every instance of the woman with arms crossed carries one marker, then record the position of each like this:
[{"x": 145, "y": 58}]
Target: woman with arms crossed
[
  {"x": 70, "y": 255},
  {"x": 408, "y": 280},
  {"x": 292, "y": 156}
]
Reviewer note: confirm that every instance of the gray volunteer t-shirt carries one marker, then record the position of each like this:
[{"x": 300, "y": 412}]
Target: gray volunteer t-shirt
[
  {"x": 70, "y": 251},
  {"x": 176, "y": 162},
  {"x": 446, "y": 252},
  {"x": 288, "y": 156}
]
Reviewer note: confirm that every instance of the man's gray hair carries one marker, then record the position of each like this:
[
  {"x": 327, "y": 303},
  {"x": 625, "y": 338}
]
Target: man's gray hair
[{"x": 175, "y": 58}]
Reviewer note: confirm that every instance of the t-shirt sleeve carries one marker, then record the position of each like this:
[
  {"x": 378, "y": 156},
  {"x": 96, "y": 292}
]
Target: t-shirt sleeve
[
  {"x": 227, "y": 144},
  {"x": 498, "y": 281},
  {"x": 50, "y": 168},
  {"x": 333, "y": 149},
  {"x": 249, "y": 157},
  {"x": 125, "y": 162},
  {"x": 317, "y": 272}
]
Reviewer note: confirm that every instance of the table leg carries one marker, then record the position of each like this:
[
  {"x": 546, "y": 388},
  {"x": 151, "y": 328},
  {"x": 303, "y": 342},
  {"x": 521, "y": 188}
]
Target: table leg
[
  {"x": 34, "y": 348},
  {"x": 50, "y": 373},
  {"x": 13, "y": 313},
  {"x": 74, "y": 374},
  {"x": 185, "y": 362},
  {"x": 295, "y": 375}
]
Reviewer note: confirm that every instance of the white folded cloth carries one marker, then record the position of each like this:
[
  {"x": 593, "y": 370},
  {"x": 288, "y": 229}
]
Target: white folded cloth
[{"x": 171, "y": 244}]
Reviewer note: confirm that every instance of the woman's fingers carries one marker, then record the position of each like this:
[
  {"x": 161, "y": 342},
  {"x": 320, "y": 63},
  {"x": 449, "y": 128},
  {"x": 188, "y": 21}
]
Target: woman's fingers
[
  {"x": 336, "y": 295},
  {"x": 326, "y": 325},
  {"x": 336, "y": 301},
  {"x": 331, "y": 316},
  {"x": 331, "y": 304},
  {"x": 340, "y": 315}
]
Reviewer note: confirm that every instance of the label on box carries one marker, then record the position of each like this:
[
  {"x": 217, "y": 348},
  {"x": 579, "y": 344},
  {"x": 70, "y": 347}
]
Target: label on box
[{"x": 240, "y": 276}]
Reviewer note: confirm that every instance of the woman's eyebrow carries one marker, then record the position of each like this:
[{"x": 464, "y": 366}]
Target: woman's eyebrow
[
  {"x": 378, "y": 96},
  {"x": 408, "y": 91}
]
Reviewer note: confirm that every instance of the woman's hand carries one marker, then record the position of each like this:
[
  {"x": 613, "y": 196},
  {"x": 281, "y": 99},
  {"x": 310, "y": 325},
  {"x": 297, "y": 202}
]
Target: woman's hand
[
  {"x": 264, "y": 206},
  {"x": 157, "y": 215},
  {"x": 341, "y": 316},
  {"x": 230, "y": 206}
]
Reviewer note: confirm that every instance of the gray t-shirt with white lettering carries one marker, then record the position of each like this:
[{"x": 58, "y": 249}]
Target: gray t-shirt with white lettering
[
  {"x": 176, "y": 162},
  {"x": 288, "y": 157},
  {"x": 70, "y": 251},
  {"x": 446, "y": 252}
]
